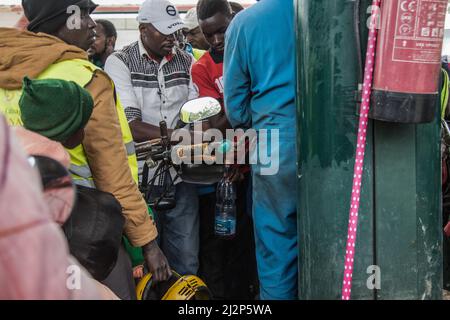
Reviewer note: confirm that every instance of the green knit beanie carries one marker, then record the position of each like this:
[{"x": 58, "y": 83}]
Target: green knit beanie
[{"x": 54, "y": 108}]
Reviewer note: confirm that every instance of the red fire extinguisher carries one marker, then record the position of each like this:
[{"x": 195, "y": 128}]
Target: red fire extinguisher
[{"x": 408, "y": 56}]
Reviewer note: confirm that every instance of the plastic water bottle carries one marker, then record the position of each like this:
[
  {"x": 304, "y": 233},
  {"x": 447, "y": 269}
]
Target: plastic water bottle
[{"x": 225, "y": 219}]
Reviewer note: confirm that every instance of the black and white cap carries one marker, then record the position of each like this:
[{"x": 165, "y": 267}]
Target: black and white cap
[{"x": 162, "y": 14}]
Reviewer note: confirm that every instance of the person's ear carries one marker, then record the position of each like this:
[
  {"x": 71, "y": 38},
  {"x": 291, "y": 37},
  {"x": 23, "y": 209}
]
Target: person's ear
[
  {"x": 142, "y": 28},
  {"x": 111, "y": 42}
]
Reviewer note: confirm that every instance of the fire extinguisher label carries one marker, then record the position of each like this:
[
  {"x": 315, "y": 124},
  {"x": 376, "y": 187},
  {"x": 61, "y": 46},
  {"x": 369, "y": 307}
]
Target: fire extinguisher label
[{"x": 420, "y": 26}]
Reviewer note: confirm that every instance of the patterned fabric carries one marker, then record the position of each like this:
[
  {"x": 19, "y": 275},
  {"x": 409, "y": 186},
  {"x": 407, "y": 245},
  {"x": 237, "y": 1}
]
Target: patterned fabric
[
  {"x": 152, "y": 91},
  {"x": 133, "y": 114}
]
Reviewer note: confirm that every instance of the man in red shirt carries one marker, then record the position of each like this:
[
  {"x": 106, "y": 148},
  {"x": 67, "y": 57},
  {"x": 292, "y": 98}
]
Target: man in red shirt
[
  {"x": 207, "y": 74},
  {"x": 228, "y": 266},
  {"x": 213, "y": 17}
]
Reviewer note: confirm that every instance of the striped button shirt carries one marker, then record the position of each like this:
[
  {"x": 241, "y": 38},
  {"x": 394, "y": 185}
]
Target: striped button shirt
[{"x": 152, "y": 91}]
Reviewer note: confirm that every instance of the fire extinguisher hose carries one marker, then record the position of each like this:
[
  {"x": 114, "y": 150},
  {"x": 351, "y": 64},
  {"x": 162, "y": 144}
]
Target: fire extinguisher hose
[{"x": 360, "y": 150}]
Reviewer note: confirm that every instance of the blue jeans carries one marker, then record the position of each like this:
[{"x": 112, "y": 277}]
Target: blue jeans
[{"x": 179, "y": 230}]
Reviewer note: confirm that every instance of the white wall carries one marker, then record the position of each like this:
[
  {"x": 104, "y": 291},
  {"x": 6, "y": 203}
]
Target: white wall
[{"x": 127, "y": 26}]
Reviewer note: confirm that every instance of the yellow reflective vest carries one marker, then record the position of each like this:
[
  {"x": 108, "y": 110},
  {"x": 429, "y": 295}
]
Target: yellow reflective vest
[{"x": 80, "y": 71}]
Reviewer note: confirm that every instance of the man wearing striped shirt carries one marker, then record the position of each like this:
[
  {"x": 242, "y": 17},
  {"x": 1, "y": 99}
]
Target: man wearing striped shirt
[{"x": 153, "y": 80}]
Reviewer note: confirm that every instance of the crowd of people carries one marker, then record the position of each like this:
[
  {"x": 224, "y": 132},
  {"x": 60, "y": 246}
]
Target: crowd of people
[{"x": 84, "y": 103}]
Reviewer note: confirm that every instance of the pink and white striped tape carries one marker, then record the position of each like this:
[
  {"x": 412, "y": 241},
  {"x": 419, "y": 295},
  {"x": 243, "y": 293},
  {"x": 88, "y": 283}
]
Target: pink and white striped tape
[{"x": 360, "y": 150}]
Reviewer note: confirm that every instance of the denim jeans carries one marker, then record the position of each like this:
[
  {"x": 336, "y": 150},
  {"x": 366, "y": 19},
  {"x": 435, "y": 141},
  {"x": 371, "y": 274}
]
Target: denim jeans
[{"x": 179, "y": 230}]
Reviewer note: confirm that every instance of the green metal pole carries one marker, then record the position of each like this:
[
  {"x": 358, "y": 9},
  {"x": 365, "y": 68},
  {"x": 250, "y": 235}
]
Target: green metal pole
[
  {"x": 400, "y": 218},
  {"x": 408, "y": 210}
]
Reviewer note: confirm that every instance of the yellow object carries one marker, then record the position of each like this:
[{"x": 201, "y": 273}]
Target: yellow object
[
  {"x": 197, "y": 53},
  {"x": 178, "y": 288},
  {"x": 444, "y": 93},
  {"x": 80, "y": 71}
]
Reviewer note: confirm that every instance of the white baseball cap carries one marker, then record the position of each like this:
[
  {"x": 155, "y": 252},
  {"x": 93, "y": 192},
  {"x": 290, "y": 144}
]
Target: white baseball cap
[
  {"x": 162, "y": 14},
  {"x": 190, "y": 20}
]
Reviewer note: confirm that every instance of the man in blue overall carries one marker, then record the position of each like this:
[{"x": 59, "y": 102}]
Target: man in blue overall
[{"x": 259, "y": 78}]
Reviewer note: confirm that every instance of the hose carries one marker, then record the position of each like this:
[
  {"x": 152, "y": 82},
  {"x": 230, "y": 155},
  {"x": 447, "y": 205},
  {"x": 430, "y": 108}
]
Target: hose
[{"x": 356, "y": 26}]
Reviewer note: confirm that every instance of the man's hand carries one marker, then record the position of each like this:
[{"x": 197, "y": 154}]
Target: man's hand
[
  {"x": 235, "y": 174},
  {"x": 143, "y": 131},
  {"x": 156, "y": 262},
  {"x": 138, "y": 272}
]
